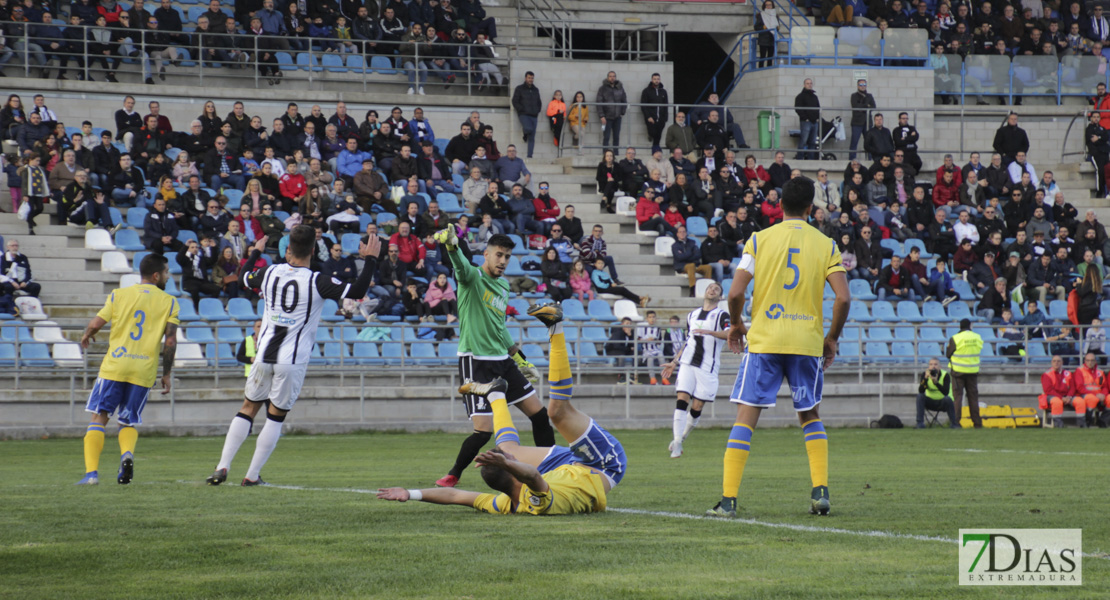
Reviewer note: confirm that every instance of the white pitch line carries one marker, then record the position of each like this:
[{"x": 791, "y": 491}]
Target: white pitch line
[
  {"x": 1041, "y": 452},
  {"x": 687, "y": 516}
]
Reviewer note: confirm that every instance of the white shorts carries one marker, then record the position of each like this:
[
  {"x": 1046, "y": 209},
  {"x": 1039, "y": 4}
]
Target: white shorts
[
  {"x": 698, "y": 383},
  {"x": 280, "y": 384}
]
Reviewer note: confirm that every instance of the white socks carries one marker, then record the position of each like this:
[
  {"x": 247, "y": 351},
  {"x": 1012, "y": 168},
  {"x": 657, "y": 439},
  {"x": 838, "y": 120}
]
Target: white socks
[
  {"x": 680, "y": 422},
  {"x": 690, "y": 425},
  {"x": 267, "y": 440},
  {"x": 237, "y": 433}
]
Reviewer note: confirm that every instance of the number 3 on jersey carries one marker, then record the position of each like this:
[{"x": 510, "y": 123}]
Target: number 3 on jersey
[
  {"x": 140, "y": 318},
  {"x": 793, "y": 267}
]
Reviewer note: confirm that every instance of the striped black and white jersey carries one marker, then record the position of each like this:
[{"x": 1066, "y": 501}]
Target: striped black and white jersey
[
  {"x": 645, "y": 331},
  {"x": 294, "y": 298},
  {"x": 704, "y": 351}
]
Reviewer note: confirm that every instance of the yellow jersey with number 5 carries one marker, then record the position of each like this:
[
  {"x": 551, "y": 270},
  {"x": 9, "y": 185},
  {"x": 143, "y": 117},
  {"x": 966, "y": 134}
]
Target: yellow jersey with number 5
[
  {"x": 138, "y": 315},
  {"x": 792, "y": 260}
]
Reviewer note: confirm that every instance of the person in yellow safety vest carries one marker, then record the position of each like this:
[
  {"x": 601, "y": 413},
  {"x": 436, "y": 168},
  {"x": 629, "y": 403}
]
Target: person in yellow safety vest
[
  {"x": 933, "y": 393},
  {"x": 245, "y": 355},
  {"x": 1088, "y": 391},
  {"x": 963, "y": 359}
]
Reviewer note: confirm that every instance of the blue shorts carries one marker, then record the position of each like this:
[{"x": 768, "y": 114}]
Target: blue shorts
[
  {"x": 760, "y": 378},
  {"x": 596, "y": 448},
  {"x": 128, "y": 398}
]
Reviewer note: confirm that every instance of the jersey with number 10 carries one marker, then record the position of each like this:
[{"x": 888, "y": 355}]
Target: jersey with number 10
[
  {"x": 792, "y": 261},
  {"x": 138, "y": 315}
]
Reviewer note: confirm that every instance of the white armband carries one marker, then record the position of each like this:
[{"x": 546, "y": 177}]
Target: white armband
[
  {"x": 416, "y": 495},
  {"x": 747, "y": 263}
]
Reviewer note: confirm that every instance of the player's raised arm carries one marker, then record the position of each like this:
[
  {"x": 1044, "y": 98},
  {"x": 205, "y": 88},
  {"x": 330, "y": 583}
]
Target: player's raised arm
[
  {"x": 465, "y": 271},
  {"x": 432, "y": 495},
  {"x": 247, "y": 273}
]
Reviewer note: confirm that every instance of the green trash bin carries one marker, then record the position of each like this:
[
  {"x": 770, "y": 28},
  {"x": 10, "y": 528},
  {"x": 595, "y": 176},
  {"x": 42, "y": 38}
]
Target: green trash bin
[{"x": 765, "y": 134}]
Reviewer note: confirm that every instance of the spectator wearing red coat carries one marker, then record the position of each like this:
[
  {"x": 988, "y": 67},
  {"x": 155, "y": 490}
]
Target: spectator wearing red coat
[
  {"x": 411, "y": 250},
  {"x": 946, "y": 193},
  {"x": 673, "y": 217},
  {"x": 649, "y": 216},
  {"x": 950, "y": 165},
  {"x": 547, "y": 209},
  {"x": 754, "y": 172},
  {"x": 248, "y": 225},
  {"x": 293, "y": 186},
  {"x": 771, "y": 209}
]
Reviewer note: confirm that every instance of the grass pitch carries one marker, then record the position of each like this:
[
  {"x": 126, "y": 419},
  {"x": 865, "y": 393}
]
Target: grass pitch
[{"x": 167, "y": 535}]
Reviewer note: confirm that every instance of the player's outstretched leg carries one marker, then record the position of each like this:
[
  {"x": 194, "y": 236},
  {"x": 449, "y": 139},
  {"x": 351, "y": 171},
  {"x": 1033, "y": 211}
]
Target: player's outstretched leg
[
  {"x": 237, "y": 433},
  {"x": 685, "y": 420},
  {"x": 264, "y": 446},
  {"x": 571, "y": 422},
  {"x": 817, "y": 449},
  {"x": 128, "y": 438},
  {"x": 94, "y": 445}
]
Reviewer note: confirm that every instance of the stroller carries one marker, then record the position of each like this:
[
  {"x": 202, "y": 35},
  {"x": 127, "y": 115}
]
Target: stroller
[{"x": 830, "y": 130}]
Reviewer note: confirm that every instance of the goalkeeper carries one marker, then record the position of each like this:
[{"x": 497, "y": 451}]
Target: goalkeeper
[{"x": 486, "y": 351}]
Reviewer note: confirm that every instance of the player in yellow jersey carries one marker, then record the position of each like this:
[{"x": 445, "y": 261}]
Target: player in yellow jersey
[
  {"x": 790, "y": 263},
  {"x": 557, "y": 480},
  {"x": 140, "y": 315}
]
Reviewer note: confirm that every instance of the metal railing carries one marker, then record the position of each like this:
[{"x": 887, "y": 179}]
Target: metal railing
[{"x": 289, "y": 55}]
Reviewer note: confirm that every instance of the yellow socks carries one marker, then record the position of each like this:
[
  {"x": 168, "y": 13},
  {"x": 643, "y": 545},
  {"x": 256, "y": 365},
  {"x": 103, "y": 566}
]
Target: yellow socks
[
  {"x": 736, "y": 458},
  {"x": 817, "y": 448},
  {"x": 94, "y": 444},
  {"x": 503, "y": 428},
  {"x": 128, "y": 437},
  {"x": 558, "y": 373}
]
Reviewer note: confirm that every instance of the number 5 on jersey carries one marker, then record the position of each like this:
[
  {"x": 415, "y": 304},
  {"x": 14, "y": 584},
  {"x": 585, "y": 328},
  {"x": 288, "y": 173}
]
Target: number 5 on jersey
[{"x": 793, "y": 267}]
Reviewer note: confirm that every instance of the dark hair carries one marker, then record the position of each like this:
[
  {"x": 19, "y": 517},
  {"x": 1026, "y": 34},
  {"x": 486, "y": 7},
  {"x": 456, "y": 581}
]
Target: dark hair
[
  {"x": 152, "y": 264},
  {"x": 501, "y": 241},
  {"x": 797, "y": 196},
  {"x": 965, "y": 324},
  {"x": 498, "y": 478},
  {"x": 301, "y": 241},
  {"x": 649, "y": 313}
]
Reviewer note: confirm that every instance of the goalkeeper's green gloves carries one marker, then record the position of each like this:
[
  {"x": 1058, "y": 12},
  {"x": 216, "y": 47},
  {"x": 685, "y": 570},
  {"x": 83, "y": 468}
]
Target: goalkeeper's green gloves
[
  {"x": 529, "y": 370},
  {"x": 447, "y": 238}
]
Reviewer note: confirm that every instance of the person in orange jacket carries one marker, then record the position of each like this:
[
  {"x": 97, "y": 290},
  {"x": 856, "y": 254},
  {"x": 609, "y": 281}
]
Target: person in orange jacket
[
  {"x": 1092, "y": 384},
  {"x": 1057, "y": 384},
  {"x": 556, "y": 114}
]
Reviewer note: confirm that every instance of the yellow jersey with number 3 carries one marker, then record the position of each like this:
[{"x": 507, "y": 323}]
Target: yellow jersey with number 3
[
  {"x": 792, "y": 260},
  {"x": 138, "y": 315},
  {"x": 572, "y": 489}
]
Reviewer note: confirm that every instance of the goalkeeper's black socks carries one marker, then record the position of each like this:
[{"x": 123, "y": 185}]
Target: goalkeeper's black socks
[
  {"x": 543, "y": 434},
  {"x": 471, "y": 446}
]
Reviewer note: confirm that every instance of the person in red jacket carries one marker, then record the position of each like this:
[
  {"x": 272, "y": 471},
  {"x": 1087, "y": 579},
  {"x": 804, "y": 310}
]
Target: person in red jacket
[
  {"x": 946, "y": 193},
  {"x": 292, "y": 185},
  {"x": 248, "y": 224},
  {"x": 950, "y": 165},
  {"x": 547, "y": 209},
  {"x": 411, "y": 250},
  {"x": 1057, "y": 385},
  {"x": 673, "y": 217},
  {"x": 771, "y": 209},
  {"x": 1089, "y": 386},
  {"x": 649, "y": 216}
]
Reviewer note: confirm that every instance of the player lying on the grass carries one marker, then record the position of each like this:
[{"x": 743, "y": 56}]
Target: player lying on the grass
[
  {"x": 699, "y": 361},
  {"x": 140, "y": 315},
  {"x": 294, "y": 298},
  {"x": 790, "y": 263},
  {"x": 486, "y": 350},
  {"x": 532, "y": 480}
]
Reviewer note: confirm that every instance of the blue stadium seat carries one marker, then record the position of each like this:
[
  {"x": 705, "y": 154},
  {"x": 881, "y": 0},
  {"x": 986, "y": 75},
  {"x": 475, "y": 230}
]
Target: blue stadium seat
[
  {"x": 241, "y": 310},
  {"x": 336, "y": 353},
  {"x": 860, "y": 289},
  {"x": 261, "y": 308},
  {"x": 933, "y": 311},
  {"x": 987, "y": 333},
  {"x": 520, "y": 248},
  {"x": 697, "y": 227},
  {"x": 327, "y": 313},
  {"x": 574, "y": 311},
  {"x": 893, "y": 245},
  {"x": 449, "y": 202},
  {"x": 35, "y": 355},
  {"x": 350, "y": 242},
  {"x": 316, "y": 357},
  {"x": 521, "y": 306},
  {"x": 601, "y": 311},
  {"x": 229, "y": 335},
  {"x": 384, "y": 217},
  {"x": 185, "y": 236},
  {"x": 357, "y": 63},
  {"x": 308, "y": 62},
  {"x": 879, "y": 334},
  {"x": 963, "y": 288},
  {"x": 857, "y": 311},
  {"x": 536, "y": 333},
  {"x": 186, "y": 312},
  {"x": 424, "y": 353},
  {"x": 587, "y": 353},
  {"x": 171, "y": 288},
  {"x": 989, "y": 356},
  {"x": 393, "y": 353},
  {"x": 135, "y": 217},
  {"x": 211, "y": 309},
  {"x": 931, "y": 334},
  {"x": 348, "y": 334},
  {"x": 570, "y": 333},
  {"x": 927, "y": 350},
  {"x": 920, "y": 245},
  {"x": 849, "y": 349},
  {"x": 201, "y": 334},
  {"x": 234, "y": 199},
  {"x": 907, "y": 311},
  {"x": 829, "y": 293},
  {"x": 883, "y": 311},
  {"x": 285, "y": 61},
  {"x": 397, "y": 334},
  {"x": 366, "y": 353},
  {"x": 534, "y": 352},
  {"x": 220, "y": 355},
  {"x": 959, "y": 310},
  {"x": 183, "y": 54},
  {"x": 382, "y": 65},
  {"x": 850, "y": 334},
  {"x": 449, "y": 352},
  {"x": 514, "y": 269},
  {"x": 7, "y": 355},
  {"x": 1058, "y": 309},
  {"x": 334, "y": 63},
  {"x": 594, "y": 334},
  {"x": 1104, "y": 309},
  {"x": 128, "y": 239},
  {"x": 904, "y": 334},
  {"x": 878, "y": 352},
  {"x": 324, "y": 335},
  {"x": 902, "y": 351}
]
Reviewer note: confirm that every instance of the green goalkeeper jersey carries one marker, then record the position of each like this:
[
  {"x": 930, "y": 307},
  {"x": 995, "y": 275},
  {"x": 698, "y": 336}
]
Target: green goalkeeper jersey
[{"x": 482, "y": 303}]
